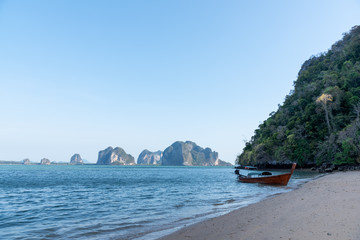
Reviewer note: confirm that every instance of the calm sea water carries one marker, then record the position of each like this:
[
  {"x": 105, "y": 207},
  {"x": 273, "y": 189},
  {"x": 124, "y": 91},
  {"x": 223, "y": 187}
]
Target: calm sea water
[{"x": 117, "y": 202}]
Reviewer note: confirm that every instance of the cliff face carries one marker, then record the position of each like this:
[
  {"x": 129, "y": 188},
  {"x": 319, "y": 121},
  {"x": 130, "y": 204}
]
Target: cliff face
[
  {"x": 45, "y": 161},
  {"x": 115, "y": 156},
  {"x": 222, "y": 163},
  {"x": 76, "y": 159},
  {"x": 150, "y": 158},
  {"x": 190, "y": 154},
  {"x": 173, "y": 155},
  {"x": 26, "y": 161}
]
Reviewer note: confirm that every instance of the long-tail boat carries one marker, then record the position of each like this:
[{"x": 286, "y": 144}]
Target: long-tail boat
[{"x": 267, "y": 177}]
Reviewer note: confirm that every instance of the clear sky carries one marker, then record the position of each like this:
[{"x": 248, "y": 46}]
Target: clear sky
[{"x": 77, "y": 76}]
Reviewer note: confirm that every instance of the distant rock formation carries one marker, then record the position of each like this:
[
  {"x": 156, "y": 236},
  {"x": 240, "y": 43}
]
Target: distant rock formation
[
  {"x": 189, "y": 154},
  {"x": 115, "y": 156},
  {"x": 76, "y": 159},
  {"x": 222, "y": 163},
  {"x": 45, "y": 161},
  {"x": 26, "y": 161},
  {"x": 149, "y": 158}
]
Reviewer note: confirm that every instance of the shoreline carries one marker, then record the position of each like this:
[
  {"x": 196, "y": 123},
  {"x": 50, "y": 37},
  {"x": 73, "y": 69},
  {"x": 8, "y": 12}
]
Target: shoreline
[
  {"x": 164, "y": 232},
  {"x": 327, "y": 207}
]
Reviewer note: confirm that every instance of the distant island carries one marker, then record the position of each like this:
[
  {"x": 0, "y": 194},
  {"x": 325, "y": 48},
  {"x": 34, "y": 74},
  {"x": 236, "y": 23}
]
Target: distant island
[
  {"x": 178, "y": 154},
  {"x": 76, "y": 159},
  {"x": 115, "y": 156},
  {"x": 190, "y": 154},
  {"x": 319, "y": 121},
  {"x": 150, "y": 158},
  {"x": 45, "y": 161}
]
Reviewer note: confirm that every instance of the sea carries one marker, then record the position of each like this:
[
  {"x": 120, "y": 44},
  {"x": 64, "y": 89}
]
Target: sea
[{"x": 120, "y": 202}]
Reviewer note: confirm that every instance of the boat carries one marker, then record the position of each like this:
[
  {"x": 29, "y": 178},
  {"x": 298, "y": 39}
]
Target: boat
[
  {"x": 250, "y": 168},
  {"x": 267, "y": 177}
]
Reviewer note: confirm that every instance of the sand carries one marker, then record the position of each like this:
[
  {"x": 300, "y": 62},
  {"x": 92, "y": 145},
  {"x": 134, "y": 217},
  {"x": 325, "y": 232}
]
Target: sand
[{"x": 325, "y": 208}]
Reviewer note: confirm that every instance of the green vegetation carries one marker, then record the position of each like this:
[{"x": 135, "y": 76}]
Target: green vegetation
[{"x": 319, "y": 120}]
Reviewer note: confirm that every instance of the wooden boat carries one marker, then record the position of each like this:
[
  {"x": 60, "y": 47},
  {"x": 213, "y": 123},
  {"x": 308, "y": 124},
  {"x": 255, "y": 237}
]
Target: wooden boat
[
  {"x": 250, "y": 168},
  {"x": 266, "y": 178}
]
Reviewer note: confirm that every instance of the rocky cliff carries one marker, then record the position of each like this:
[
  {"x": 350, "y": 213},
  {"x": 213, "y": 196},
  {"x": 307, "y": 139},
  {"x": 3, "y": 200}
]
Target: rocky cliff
[
  {"x": 26, "y": 161},
  {"x": 150, "y": 158},
  {"x": 45, "y": 161},
  {"x": 76, "y": 159},
  {"x": 190, "y": 154},
  {"x": 115, "y": 156}
]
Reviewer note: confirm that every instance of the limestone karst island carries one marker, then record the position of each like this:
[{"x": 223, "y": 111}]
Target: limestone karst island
[{"x": 178, "y": 154}]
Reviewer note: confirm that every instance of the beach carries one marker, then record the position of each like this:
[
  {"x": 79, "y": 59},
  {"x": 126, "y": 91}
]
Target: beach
[{"x": 324, "y": 208}]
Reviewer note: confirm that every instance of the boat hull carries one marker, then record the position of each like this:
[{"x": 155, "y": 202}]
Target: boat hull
[
  {"x": 281, "y": 179},
  {"x": 276, "y": 180}
]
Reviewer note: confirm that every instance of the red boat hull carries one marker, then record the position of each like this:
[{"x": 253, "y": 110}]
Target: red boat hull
[{"x": 282, "y": 179}]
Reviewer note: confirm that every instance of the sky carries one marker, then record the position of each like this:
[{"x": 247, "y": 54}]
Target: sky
[{"x": 79, "y": 76}]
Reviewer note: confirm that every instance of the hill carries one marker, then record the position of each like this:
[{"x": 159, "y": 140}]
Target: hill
[
  {"x": 149, "y": 158},
  {"x": 190, "y": 154},
  {"x": 319, "y": 121},
  {"x": 115, "y": 156}
]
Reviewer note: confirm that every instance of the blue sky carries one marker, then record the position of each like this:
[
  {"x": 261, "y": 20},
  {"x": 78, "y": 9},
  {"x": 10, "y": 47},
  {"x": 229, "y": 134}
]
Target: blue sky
[{"x": 79, "y": 76}]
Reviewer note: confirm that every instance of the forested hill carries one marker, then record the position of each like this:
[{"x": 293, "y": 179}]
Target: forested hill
[{"x": 319, "y": 120}]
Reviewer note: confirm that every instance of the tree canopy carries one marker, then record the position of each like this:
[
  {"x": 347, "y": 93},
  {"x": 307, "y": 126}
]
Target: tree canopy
[{"x": 319, "y": 120}]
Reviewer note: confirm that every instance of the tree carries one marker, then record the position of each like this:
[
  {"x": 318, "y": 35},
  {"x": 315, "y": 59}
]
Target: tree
[
  {"x": 323, "y": 100},
  {"x": 357, "y": 111},
  {"x": 328, "y": 86}
]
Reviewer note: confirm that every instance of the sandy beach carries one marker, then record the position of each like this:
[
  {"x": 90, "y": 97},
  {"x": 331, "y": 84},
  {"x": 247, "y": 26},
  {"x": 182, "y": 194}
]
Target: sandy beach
[{"x": 325, "y": 208}]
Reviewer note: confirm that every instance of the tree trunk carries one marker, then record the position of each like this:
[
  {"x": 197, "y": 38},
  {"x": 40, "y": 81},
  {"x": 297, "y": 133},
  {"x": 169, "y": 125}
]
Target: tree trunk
[{"x": 327, "y": 118}]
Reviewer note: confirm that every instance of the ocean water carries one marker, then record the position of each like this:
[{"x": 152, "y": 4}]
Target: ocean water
[{"x": 119, "y": 202}]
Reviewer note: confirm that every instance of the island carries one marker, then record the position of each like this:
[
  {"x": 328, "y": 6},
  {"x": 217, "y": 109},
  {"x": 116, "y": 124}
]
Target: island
[
  {"x": 45, "y": 161},
  {"x": 150, "y": 158},
  {"x": 182, "y": 154},
  {"x": 76, "y": 159},
  {"x": 115, "y": 156}
]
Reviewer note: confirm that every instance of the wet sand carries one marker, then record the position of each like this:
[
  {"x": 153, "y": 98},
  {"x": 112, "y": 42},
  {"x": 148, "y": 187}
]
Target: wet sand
[{"x": 325, "y": 208}]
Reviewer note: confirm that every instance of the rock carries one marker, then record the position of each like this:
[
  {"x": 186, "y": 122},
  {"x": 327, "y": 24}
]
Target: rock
[
  {"x": 76, "y": 159},
  {"x": 341, "y": 168},
  {"x": 115, "y": 156},
  {"x": 26, "y": 161},
  {"x": 222, "y": 163},
  {"x": 190, "y": 154},
  {"x": 150, "y": 158},
  {"x": 45, "y": 161},
  {"x": 174, "y": 156},
  {"x": 333, "y": 167},
  {"x": 313, "y": 169},
  {"x": 349, "y": 168},
  {"x": 328, "y": 170}
]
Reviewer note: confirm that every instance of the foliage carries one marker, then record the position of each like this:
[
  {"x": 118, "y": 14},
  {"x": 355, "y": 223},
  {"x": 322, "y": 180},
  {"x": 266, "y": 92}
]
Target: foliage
[
  {"x": 319, "y": 120},
  {"x": 324, "y": 98}
]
